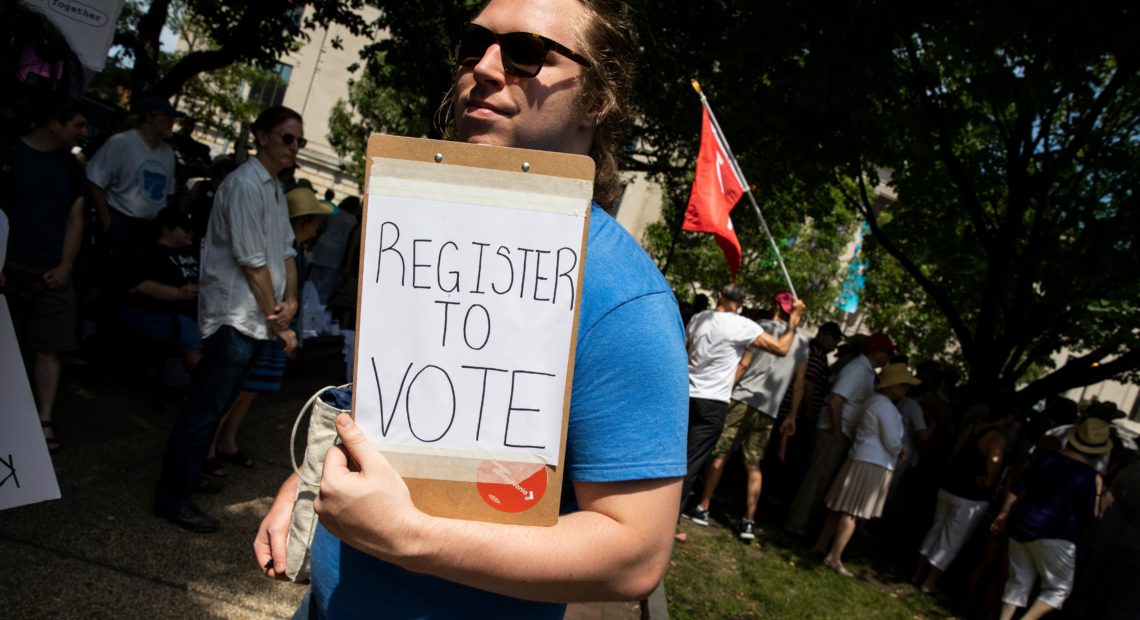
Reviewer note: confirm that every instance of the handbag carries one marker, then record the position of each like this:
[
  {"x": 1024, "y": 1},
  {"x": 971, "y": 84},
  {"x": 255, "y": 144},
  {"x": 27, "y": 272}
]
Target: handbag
[{"x": 325, "y": 406}]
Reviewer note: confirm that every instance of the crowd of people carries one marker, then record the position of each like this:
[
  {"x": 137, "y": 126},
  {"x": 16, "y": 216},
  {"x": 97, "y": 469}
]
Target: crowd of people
[
  {"x": 841, "y": 445},
  {"x": 177, "y": 260},
  {"x": 210, "y": 274}
]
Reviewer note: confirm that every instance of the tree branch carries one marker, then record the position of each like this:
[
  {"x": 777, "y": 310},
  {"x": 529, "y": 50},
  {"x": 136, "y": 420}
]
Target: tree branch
[
  {"x": 1079, "y": 372},
  {"x": 940, "y": 297},
  {"x": 1082, "y": 132},
  {"x": 946, "y": 149}
]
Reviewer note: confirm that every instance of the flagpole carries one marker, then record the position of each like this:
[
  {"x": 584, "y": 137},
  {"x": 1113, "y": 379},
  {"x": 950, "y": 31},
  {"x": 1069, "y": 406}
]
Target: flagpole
[{"x": 747, "y": 187}]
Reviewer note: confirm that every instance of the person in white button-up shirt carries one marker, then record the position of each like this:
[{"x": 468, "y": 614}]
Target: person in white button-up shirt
[{"x": 247, "y": 296}]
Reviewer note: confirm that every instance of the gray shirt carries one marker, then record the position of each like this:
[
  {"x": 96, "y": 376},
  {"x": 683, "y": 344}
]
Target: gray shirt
[
  {"x": 767, "y": 378},
  {"x": 249, "y": 227}
]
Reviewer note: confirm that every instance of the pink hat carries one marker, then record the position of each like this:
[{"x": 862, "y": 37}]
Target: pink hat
[{"x": 785, "y": 299}]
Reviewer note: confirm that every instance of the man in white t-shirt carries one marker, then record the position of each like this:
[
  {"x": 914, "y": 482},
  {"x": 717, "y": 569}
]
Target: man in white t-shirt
[
  {"x": 752, "y": 414},
  {"x": 716, "y": 340},
  {"x": 132, "y": 175},
  {"x": 836, "y": 427}
]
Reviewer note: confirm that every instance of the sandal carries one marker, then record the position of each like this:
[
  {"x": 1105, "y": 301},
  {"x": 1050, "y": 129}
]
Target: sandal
[
  {"x": 237, "y": 457},
  {"x": 214, "y": 467},
  {"x": 53, "y": 444}
]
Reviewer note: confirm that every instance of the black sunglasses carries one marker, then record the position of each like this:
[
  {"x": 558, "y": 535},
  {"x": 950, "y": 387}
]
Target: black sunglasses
[
  {"x": 523, "y": 53},
  {"x": 288, "y": 139}
]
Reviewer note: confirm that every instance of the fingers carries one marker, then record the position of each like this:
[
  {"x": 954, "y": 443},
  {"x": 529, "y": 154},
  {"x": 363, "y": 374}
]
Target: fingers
[
  {"x": 269, "y": 548},
  {"x": 355, "y": 442}
]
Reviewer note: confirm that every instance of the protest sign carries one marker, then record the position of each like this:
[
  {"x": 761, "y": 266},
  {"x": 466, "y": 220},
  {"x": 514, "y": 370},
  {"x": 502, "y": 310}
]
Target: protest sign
[
  {"x": 26, "y": 472},
  {"x": 470, "y": 280},
  {"x": 89, "y": 26}
]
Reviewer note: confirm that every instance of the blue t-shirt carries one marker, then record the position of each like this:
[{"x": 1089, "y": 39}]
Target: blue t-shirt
[
  {"x": 628, "y": 413},
  {"x": 1057, "y": 500}
]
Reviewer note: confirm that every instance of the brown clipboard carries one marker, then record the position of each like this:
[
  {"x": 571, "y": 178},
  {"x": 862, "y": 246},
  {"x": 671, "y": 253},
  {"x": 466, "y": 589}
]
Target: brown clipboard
[{"x": 457, "y": 162}]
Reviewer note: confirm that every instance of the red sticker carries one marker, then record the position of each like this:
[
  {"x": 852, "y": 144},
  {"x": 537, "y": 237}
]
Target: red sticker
[{"x": 511, "y": 487}]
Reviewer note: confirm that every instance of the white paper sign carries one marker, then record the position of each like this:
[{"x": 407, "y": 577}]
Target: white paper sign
[
  {"x": 89, "y": 26},
  {"x": 466, "y": 318},
  {"x": 26, "y": 472}
]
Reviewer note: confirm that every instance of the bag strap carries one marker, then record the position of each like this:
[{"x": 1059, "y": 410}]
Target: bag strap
[{"x": 297, "y": 425}]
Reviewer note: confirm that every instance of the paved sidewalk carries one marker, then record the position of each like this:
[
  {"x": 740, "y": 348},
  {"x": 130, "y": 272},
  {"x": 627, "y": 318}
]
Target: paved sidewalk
[{"x": 99, "y": 552}]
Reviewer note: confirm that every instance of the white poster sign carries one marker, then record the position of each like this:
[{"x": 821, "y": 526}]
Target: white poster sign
[
  {"x": 467, "y": 306},
  {"x": 26, "y": 472},
  {"x": 89, "y": 26}
]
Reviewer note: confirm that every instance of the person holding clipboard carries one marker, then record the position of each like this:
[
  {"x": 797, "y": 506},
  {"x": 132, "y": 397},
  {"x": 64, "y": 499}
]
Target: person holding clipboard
[{"x": 553, "y": 75}]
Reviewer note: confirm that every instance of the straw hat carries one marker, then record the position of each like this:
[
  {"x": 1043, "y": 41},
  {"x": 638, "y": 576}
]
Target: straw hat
[
  {"x": 302, "y": 201},
  {"x": 894, "y": 374},
  {"x": 1091, "y": 436}
]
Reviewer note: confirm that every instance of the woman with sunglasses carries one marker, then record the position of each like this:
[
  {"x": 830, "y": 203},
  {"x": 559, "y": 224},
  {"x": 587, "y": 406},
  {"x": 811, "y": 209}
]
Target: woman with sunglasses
[{"x": 552, "y": 75}]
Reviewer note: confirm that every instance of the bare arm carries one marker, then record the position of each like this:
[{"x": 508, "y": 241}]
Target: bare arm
[
  {"x": 164, "y": 292},
  {"x": 809, "y": 397},
  {"x": 262, "y": 287},
  {"x": 285, "y": 311},
  {"x": 995, "y": 445},
  {"x": 102, "y": 211},
  {"x": 745, "y": 361},
  {"x": 274, "y": 530},
  {"x": 835, "y": 412},
  {"x": 780, "y": 346},
  {"x": 999, "y": 520},
  {"x": 798, "y": 386},
  {"x": 72, "y": 239},
  {"x": 1102, "y": 502},
  {"x": 615, "y": 548}
]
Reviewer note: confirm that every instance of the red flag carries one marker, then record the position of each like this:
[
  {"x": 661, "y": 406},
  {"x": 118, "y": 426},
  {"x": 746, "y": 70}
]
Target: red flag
[{"x": 717, "y": 187}]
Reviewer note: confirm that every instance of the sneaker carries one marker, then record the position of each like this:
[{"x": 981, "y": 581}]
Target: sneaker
[
  {"x": 698, "y": 515},
  {"x": 748, "y": 531},
  {"x": 189, "y": 517}
]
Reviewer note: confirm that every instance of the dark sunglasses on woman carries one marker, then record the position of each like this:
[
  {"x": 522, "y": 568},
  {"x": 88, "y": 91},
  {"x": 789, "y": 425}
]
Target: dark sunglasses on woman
[{"x": 523, "y": 53}]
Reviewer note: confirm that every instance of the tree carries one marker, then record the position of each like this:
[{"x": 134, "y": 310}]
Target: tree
[
  {"x": 405, "y": 75},
  {"x": 249, "y": 31},
  {"x": 1010, "y": 136},
  {"x": 1007, "y": 133}
]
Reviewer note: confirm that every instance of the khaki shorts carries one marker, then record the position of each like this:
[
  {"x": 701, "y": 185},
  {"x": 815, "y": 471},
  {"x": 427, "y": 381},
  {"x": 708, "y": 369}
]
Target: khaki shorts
[
  {"x": 747, "y": 428},
  {"x": 44, "y": 318}
]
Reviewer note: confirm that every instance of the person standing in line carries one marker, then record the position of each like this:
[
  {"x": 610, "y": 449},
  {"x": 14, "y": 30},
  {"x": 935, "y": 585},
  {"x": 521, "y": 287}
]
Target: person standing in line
[
  {"x": 1044, "y": 513},
  {"x": 860, "y": 490},
  {"x": 752, "y": 414},
  {"x": 552, "y": 75},
  {"x": 247, "y": 295},
  {"x": 835, "y": 429},
  {"x": 968, "y": 482},
  {"x": 42, "y": 198}
]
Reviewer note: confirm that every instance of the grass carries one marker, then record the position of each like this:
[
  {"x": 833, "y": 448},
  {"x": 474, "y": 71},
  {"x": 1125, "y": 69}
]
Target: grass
[{"x": 716, "y": 575}]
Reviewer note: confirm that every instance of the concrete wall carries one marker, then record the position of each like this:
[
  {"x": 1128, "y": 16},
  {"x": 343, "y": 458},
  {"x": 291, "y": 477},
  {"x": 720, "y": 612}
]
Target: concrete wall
[{"x": 320, "y": 78}]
